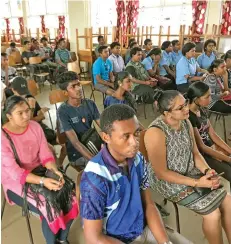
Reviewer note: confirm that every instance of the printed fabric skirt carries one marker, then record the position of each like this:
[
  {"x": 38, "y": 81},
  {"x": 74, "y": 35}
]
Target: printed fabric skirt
[{"x": 200, "y": 200}]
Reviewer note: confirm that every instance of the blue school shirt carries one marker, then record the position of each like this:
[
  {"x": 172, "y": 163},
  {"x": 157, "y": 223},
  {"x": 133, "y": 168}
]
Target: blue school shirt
[
  {"x": 185, "y": 67},
  {"x": 148, "y": 63},
  {"x": 205, "y": 61},
  {"x": 165, "y": 60},
  {"x": 102, "y": 68},
  {"x": 110, "y": 100},
  {"x": 108, "y": 194},
  {"x": 176, "y": 57}
]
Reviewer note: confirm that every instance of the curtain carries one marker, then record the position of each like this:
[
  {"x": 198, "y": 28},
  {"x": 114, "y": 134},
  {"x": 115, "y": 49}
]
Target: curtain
[
  {"x": 8, "y": 28},
  {"x": 198, "y": 10},
  {"x": 43, "y": 27},
  {"x": 132, "y": 10},
  {"x": 21, "y": 25},
  {"x": 61, "y": 26},
  {"x": 121, "y": 17},
  {"x": 226, "y": 19}
]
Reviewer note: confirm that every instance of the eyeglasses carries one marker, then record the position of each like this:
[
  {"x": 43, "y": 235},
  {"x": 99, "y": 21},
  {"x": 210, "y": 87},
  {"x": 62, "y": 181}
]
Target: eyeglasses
[{"x": 186, "y": 103}]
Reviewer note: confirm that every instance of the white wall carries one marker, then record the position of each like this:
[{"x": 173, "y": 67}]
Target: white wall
[{"x": 79, "y": 17}]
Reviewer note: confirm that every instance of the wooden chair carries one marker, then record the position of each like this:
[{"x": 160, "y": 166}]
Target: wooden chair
[
  {"x": 26, "y": 216},
  {"x": 40, "y": 75},
  {"x": 145, "y": 154},
  {"x": 32, "y": 87},
  {"x": 11, "y": 60},
  {"x": 56, "y": 96},
  {"x": 74, "y": 66}
]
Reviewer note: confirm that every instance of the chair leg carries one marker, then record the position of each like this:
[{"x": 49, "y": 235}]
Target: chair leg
[
  {"x": 83, "y": 93},
  {"x": 93, "y": 93},
  {"x": 177, "y": 217},
  {"x": 29, "y": 228},
  {"x": 145, "y": 116},
  {"x": 224, "y": 125},
  {"x": 50, "y": 120},
  {"x": 3, "y": 207}
]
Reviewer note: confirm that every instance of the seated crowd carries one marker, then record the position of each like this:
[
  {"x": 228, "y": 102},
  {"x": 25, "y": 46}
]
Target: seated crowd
[{"x": 181, "y": 156}]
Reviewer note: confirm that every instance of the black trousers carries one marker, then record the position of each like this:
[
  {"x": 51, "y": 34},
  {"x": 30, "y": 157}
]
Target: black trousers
[{"x": 221, "y": 107}]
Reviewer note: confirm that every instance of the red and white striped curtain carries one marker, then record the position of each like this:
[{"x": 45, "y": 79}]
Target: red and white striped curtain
[
  {"x": 61, "y": 26},
  {"x": 198, "y": 10},
  {"x": 8, "y": 28},
  {"x": 21, "y": 24},
  {"x": 43, "y": 26},
  {"x": 226, "y": 18},
  {"x": 121, "y": 18},
  {"x": 132, "y": 10}
]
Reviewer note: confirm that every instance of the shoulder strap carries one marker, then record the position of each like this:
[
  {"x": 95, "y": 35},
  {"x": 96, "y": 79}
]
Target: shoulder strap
[
  {"x": 13, "y": 148},
  {"x": 190, "y": 142}
]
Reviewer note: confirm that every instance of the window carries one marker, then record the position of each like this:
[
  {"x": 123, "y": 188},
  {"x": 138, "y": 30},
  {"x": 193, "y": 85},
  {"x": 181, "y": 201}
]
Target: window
[
  {"x": 51, "y": 9},
  {"x": 165, "y": 13}
]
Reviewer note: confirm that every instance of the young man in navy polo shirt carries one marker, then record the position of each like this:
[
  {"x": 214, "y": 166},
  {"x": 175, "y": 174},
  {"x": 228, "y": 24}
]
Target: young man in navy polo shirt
[
  {"x": 75, "y": 117},
  {"x": 115, "y": 202},
  {"x": 102, "y": 72}
]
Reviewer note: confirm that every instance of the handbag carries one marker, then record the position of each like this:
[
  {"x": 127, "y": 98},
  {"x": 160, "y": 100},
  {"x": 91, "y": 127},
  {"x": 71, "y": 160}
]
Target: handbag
[
  {"x": 91, "y": 138},
  {"x": 54, "y": 200}
]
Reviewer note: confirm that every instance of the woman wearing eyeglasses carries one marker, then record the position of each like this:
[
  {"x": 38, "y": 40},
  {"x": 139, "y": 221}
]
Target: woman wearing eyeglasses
[
  {"x": 179, "y": 172},
  {"x": 215, "y": 80},
  {"x": 215, "y": 151}
]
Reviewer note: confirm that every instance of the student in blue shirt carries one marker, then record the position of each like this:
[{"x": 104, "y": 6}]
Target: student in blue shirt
[
  {"x": 176, "y": 53},
  {"x": 115, "y": 203},
  {"x": 102, "y": 72},
  {"x": 187, "y": 68},
  {"x": 147, "y": 47},
  {"x": 152, "y": 65},
  {"x": 122, "y": 94},
  {"x": 128, "y": 53},
  {"x": 166, "y": 68},
  {"x": 206, "y": 58},
  {"x": 75, "y": 117}
]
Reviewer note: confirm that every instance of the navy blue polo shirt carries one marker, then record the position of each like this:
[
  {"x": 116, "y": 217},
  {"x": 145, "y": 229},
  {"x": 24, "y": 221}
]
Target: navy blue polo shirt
[
  {"x": 78, "y": 119},
  {"x": 109, "y": 195}
]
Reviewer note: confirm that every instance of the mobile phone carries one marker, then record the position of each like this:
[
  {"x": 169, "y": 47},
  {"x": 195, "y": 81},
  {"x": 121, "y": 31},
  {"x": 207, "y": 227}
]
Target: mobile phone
[
  {"x": 215, "y": 176},
  {"x": 51, "y": 174}
]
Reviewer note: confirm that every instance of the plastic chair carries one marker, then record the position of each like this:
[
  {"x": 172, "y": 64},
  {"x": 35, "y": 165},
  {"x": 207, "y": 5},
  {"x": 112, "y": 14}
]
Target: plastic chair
[
  {"x": 27, "y": 220},
  {"x": 219, "y": 116},
  {"x": 145, "y": 154}
]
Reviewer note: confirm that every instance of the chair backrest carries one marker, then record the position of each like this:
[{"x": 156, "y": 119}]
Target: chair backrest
[
  {"x": 18, "y": 57},
  {"x": 57, "y": 96},
  {"x": 74, "y": 66},
  {"x": 35, "y": 60},
  {"x": 62, "y": 138},
  {"x": 78, "y": 186},
  {"x": 142, "y": 145},
  {"x": 11, "y": 59},
  {"x": 32, "y": 87}
]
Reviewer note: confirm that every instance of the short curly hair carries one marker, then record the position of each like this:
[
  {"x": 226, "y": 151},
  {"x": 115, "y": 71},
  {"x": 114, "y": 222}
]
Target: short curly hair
[
  {"x": 65, "y": 78},
  {"x": 113, "y": 113}
]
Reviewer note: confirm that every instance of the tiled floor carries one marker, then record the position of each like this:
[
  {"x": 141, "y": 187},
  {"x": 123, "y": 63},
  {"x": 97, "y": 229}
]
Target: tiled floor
[{"x": 14, "y": 228}]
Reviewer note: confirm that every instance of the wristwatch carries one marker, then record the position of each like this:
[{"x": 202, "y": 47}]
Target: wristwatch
[
  {"x": 168, "y": 242},
  {"x": 41, "y": 181}
]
